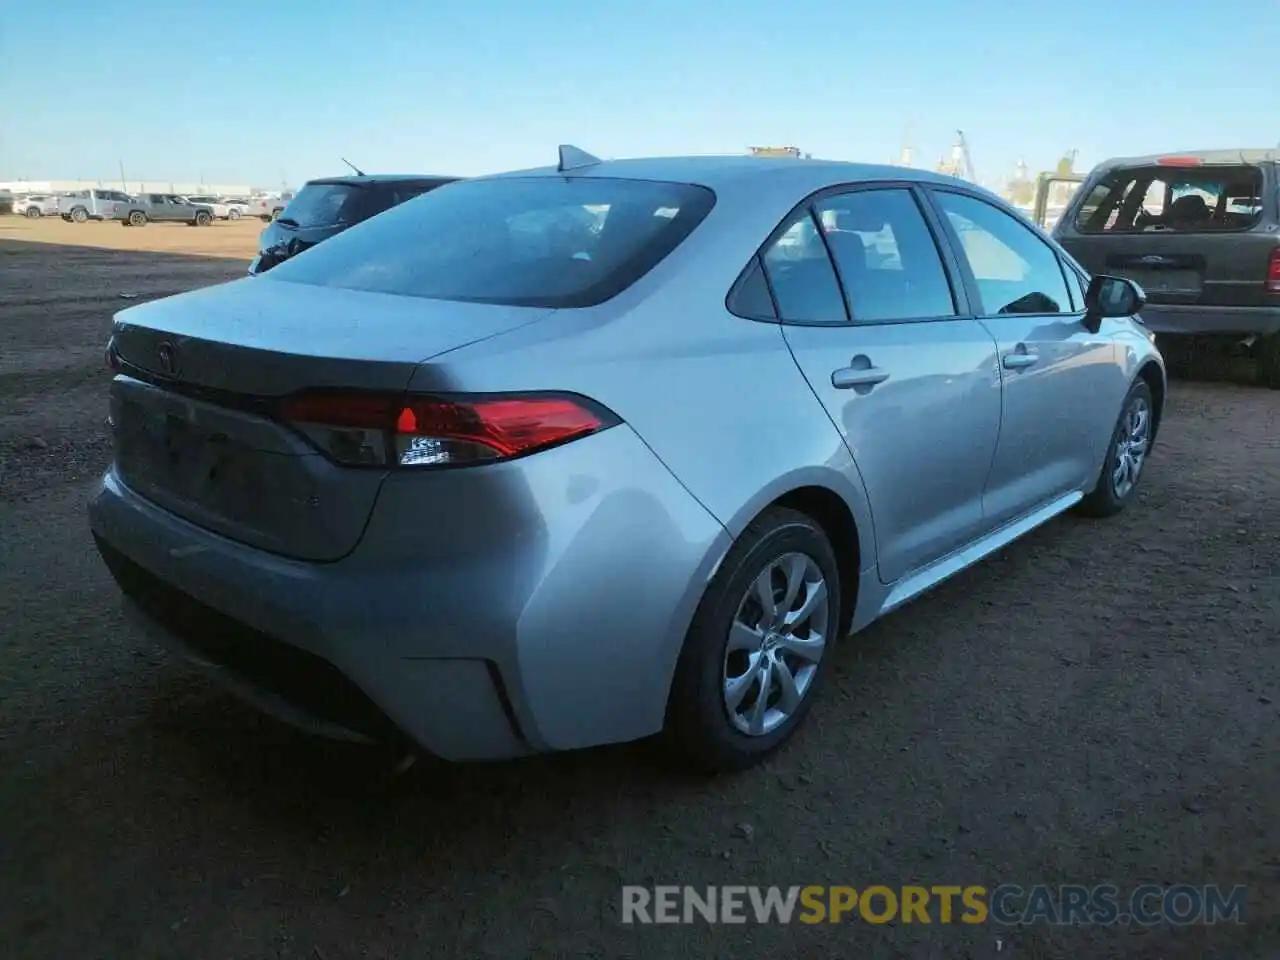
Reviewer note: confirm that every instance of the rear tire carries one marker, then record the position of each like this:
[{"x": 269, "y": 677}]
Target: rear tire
[
  {"x": 79, "y": 215},
  {"x": 33, "y": 213},
  {"x": 715, "y": 720},
  {"x": 1129, "y": 448},
  {"x": 233, "y": 214},
  {"x": 1269, "y": 361}
]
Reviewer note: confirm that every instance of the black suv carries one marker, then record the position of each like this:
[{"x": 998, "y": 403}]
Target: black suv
[
  {"x": 323, "y": 208},
  {"x": 1200, "y": 232}
]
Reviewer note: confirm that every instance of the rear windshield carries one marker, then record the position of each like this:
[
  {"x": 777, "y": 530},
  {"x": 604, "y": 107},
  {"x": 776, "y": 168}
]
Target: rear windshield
[
  {"x": 524, "y": 241},
  {"x": 1157, "y": 199},
  {"x": 324, "y": 204}
]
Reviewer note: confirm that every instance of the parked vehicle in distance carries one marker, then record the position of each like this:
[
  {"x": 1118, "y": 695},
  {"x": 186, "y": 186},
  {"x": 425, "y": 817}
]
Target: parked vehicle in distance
[
  {"x": 81, "y": 206},
  {"x": 1200, "y": 231},
  {"x": 271, "y": 206},
  {"x": 166, "y": 208},
  {"x": 323, "y": 208},
  {"x": 222, "y": 210},
  {"x": 499, "y": 478},
  {"x": 36, "y": 205},
  {"x": 237, "y": 207},
  {"x": 6, "y": 202}
]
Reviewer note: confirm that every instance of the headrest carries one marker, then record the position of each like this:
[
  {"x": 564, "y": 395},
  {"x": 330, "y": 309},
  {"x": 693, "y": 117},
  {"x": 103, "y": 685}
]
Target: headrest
[
  {"x": 860, "y": 218},
  {"x": 1189, "y": 206}
]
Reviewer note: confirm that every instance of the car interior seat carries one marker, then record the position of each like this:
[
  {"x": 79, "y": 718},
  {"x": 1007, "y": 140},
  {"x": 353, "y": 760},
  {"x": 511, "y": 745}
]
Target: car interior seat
[{"x": 1189, "y": 211}]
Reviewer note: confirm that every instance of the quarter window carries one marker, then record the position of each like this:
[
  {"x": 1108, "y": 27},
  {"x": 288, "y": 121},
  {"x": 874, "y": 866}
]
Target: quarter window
[
  {"x": 887, "y": 258},
  {"x": 751, "y": 296},
  {"x": 800, "y": 273},
  {"x": 1015, "y": 271}
]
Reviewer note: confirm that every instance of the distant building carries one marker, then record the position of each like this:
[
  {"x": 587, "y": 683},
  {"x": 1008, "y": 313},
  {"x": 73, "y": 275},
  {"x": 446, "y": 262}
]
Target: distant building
[{"x": 775, "y": 151}]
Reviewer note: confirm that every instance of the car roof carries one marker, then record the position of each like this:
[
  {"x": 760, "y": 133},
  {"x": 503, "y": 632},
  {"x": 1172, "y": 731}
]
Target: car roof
[
  {"x": 801, "y": 174},
  {"x": 373, "y": 179},
  {"x": 1243, "y": 155}
]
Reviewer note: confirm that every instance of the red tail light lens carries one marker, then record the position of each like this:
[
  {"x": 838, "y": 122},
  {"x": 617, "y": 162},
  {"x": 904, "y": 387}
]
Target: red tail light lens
[
  {"x": 1179, "y": 162},
  {"x": 360, "y": 429},
  {"x": 1273, "y": 272}
]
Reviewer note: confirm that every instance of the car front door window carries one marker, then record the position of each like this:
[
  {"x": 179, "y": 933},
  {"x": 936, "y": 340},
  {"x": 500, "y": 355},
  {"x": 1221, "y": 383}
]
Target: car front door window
[{"x": 1014, "y": 270}]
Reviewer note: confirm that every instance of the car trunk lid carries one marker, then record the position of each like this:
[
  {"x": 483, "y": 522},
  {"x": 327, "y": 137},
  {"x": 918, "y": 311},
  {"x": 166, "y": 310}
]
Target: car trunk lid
[{"x": 194, "y": 407}]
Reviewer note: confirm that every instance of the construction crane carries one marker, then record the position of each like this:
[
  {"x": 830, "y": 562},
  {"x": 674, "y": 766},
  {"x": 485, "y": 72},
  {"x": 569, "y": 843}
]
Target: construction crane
[{"x": 963, "y": 144}]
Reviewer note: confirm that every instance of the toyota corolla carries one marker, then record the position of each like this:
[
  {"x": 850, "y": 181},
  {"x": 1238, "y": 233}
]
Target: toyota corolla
[{"x": 583, "y": 454}]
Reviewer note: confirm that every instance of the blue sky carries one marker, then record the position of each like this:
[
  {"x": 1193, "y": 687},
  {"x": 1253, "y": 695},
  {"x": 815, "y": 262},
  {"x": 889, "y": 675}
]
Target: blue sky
[{"x": 245, "y": 92}]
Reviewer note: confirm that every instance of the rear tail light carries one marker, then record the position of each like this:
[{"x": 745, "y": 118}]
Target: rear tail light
[
  {"x": 358, "y": 429},
  {"x": 1273, "y": 272},
  {"x": 1179, "y": 162}
]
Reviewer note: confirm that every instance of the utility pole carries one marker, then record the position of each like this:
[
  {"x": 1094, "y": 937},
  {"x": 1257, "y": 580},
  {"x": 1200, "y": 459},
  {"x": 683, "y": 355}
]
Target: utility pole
[{"x": 123, "y": 187}]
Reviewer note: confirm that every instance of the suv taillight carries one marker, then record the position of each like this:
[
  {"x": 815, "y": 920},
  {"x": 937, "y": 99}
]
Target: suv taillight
[
  {"x": 360, "y": 429},
  {"x": 1273, "y": 272}
]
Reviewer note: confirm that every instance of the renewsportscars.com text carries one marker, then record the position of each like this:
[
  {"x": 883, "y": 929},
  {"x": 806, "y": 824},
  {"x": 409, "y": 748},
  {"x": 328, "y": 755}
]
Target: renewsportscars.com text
[{"x": 1008, "y": 904}]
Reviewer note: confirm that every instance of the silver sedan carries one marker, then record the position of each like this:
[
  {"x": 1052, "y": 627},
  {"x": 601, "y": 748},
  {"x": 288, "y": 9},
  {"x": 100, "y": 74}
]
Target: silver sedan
[{"x": 578, "y": 455}]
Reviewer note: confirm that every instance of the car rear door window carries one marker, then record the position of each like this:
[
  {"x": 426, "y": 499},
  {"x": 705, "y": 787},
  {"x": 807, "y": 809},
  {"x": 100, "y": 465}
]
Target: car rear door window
[
  {"x": 1013, "y": 269},
  {"x": 886, "y": 255},
  {"x": 801, "y": 276}
]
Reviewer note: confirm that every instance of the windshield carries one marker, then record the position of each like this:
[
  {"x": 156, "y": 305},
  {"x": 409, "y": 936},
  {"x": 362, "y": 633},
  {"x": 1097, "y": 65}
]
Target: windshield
[
  {"x": 524, "y": 241},
  {"x": 323, "y": 204}
]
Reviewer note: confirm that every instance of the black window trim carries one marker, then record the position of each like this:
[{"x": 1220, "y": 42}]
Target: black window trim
[
  {"x": 957, "y": 247},
  {"x": 961, "y": 292}
]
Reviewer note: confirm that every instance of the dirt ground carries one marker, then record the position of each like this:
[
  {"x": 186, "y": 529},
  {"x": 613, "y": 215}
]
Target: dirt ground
[
  {"x": 1098, "y": 703},
  {"x": 222, "y": 238}
]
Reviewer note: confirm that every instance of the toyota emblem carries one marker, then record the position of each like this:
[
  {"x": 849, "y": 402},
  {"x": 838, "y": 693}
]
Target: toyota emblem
[{"x": 169, "y": 359}]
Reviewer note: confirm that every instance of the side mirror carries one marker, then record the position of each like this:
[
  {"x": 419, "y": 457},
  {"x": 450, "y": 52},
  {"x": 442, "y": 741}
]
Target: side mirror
[{"x": 1111, "y": 297}]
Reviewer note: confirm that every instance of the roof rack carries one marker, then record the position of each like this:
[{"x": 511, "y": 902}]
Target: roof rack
[{"x": 572, "y": 158}]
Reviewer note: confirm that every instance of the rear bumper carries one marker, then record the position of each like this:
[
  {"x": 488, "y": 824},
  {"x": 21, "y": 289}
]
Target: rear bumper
[
  {"x": 1167, "y": 319},
  {"x": 550, "y": 621}
]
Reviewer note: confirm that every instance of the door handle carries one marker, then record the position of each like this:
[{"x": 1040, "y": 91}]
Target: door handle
[
  {"x": 848, "y": 377},
  {"x": 1020, "y": 360}
]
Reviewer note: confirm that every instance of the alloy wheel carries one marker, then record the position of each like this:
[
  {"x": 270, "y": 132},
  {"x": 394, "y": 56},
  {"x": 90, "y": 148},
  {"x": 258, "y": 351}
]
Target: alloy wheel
[
  {"x": 1132, "y": 444},
  {"x": 775, "y": 644}
]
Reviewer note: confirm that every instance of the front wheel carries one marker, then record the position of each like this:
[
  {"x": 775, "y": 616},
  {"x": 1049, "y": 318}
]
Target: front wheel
[
  {"x": 233, "y": 214},
  {"x": 758, "y": 647},
  {"x": 137, "y": 218},
  {"x": 33, "y": 213},
  {"x": 203, "y": 218},
  {"x": 1126, "y": 455}
]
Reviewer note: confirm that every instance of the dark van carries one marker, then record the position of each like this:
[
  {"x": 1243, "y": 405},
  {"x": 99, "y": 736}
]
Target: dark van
[{"x": 1200, "y": 232}]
